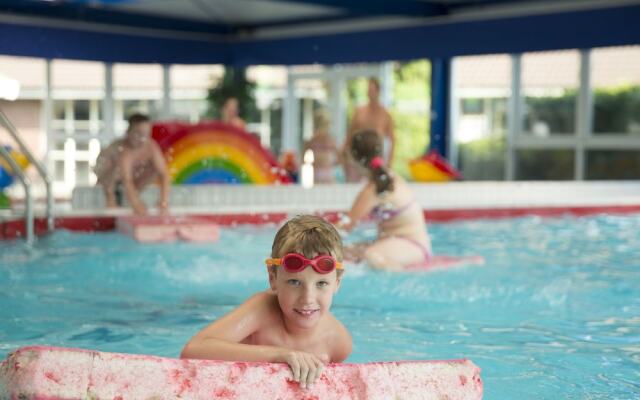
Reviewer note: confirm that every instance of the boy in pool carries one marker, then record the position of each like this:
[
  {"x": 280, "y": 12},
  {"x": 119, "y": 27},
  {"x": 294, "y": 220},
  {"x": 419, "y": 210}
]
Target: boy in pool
[
  {"x": 132, "y": 163},
  {"x": 291, "y": 322}
]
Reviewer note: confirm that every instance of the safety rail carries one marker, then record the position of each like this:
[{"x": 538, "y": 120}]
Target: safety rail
[{"x": 4, "y": 120}]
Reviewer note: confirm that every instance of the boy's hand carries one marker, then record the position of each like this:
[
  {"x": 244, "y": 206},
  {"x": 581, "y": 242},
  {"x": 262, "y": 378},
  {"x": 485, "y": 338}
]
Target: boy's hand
[{"x": 306, "y": 367}]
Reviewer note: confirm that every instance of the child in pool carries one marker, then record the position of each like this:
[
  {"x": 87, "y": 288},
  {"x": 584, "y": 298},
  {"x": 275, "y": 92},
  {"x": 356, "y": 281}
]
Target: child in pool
[
  {"x": 290, "y": 323},
  {"x": 403, "y": 240}
]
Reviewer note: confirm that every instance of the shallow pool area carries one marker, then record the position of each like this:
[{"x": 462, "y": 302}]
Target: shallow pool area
[{"x": 554, "y": 313}]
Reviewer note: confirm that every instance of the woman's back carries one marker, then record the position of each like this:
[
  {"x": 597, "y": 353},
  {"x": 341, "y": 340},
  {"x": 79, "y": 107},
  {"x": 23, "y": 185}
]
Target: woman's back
[{"x": 400, "y": 214}]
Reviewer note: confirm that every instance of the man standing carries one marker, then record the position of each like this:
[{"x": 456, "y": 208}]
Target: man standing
[
  {"x": 131, "y": 164},
  {"x": 371, "y": 116}
]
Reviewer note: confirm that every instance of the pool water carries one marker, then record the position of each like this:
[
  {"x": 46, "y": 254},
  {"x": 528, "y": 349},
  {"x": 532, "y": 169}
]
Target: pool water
[{"x": 554, "y": 314}]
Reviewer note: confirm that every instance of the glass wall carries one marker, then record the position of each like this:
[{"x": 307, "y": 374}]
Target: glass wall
[
  {"x": 190, "y": 86},
  {"x": 544, "y": 164},
  {"x": 615, "y": 77},
  {"x": 482, "y": 87},
  {"x": 549, "y": 90},
  {"x": 410, "y": 110},
  {"x": 577, "y": 115},
  {"x": 22, "y": 85},
  {"x": 77, "y": 90},
  {"x": 615, "y": 90},
  {"x": 137, "y": 88}
]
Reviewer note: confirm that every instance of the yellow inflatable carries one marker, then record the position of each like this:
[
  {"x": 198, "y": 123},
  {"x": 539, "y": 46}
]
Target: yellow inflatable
[{"x": 433, "y": 168}]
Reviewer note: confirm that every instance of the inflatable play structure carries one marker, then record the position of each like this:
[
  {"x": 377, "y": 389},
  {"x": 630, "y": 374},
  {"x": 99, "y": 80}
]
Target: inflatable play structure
[
  {"x": 59, "y": 373},
  {"x": 213, "y": 152},
  {"x": 7, "y": 175},
  {"x": 433, "y": 168}
]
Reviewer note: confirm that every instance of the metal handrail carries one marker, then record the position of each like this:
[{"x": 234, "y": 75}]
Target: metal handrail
[
  {"x": 39, "y": 167},
  {"x": 26, "y": 184}
]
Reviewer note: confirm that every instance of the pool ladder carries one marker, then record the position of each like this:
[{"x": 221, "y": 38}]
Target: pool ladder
[{"x": 25, "y": 181}]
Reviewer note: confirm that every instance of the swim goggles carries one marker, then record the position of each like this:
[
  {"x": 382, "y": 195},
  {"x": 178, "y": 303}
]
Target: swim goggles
[{"x": 294, "y": 262}]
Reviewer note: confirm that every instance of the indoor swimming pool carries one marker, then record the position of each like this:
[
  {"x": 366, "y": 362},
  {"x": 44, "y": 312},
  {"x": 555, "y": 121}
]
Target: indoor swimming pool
[{"x": 553, "y": 314}]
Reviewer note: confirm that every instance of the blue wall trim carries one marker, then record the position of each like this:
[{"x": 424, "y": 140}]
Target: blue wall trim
[
  {"x": 29, "y": 41},
  {"x": 579, "y": 29},
  {"x": 584, "y": 29}
]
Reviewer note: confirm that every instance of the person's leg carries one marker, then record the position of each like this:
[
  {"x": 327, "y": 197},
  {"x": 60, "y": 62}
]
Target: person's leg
[
  {"x": 110, "y": 194},
  {"x": 395, "y": 253},
  {"x": 119, "y": 194}
]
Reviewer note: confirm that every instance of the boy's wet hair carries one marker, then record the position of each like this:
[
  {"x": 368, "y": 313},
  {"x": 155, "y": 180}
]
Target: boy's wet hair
[
  {"x": 137, "y": 118},
  {"x": 365, "y": 146},
  {"x": 308, "y": 235}
]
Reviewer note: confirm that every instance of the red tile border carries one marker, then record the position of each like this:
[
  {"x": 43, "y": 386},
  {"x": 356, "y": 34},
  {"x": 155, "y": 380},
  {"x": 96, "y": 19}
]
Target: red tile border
[
  {"x": 497, "y": 213},
  {"x": 15, "y": 228}
]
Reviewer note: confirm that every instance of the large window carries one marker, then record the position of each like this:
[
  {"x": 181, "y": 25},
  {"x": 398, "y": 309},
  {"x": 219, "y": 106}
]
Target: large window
[
  {"x": 480, "y": 99},
  {"x": 25, "y": 78},
  {"x": 190, "y": 86},
  {"x": 411, "y": 112},
  {"x": 534, "y": 164},
  {"x": 615, "y": 77},
  {"x": 76, "y": 126},
  {"x": 137, "y": 88},
  {"x": 613, "y": 164},
  {"x": 550, "y": 87},
  {"x": 577, "y": 115}
]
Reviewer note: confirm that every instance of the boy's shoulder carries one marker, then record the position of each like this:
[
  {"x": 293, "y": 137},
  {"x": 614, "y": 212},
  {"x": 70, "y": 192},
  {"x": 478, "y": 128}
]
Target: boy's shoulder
[
  {"x": 265, "y": 301},
  {"x": 262, "y": 297},
  {"x": 342, "y": 342},
  {"x": 263, "y": 306},
  {"x": 340, "y": 329}
]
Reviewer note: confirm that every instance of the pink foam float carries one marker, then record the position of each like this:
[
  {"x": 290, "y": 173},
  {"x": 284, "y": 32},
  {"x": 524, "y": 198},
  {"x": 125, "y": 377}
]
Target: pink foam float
[
  {"x": 444, "y": 261},
  {"x": 54, "y": 373},
  {"x": 168, "y": 229}
]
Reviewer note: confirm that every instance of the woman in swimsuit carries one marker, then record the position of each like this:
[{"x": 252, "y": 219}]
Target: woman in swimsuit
[{"x": 403, "y": 241}]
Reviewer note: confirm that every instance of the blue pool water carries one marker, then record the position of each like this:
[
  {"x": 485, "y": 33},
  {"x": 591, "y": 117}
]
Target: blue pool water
[{"x": 555, "y": 313}]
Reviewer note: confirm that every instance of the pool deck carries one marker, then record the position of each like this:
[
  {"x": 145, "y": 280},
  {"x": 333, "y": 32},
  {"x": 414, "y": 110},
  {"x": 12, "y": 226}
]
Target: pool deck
[{"x": 252, "y": 204}]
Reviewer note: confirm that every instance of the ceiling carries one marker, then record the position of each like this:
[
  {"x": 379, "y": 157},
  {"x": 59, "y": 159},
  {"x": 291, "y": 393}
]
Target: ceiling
[{"x": 245, "y": 32}]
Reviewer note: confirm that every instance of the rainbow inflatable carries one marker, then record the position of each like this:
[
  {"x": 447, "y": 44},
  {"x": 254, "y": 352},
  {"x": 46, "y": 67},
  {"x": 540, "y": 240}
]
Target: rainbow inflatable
[
  {"x": 213, "y": 152},
  {"x": 433, "y": 168}
]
